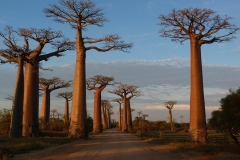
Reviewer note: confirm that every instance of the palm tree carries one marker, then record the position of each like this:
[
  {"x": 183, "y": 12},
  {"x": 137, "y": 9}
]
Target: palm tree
[{"x": 80, "y": 15}]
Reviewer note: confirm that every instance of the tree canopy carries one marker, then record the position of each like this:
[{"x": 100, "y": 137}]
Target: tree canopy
[{"x": 227, "y": 117}]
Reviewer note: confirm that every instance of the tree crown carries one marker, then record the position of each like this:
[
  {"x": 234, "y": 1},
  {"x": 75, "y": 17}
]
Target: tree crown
[{"x": 202, "y": 24}]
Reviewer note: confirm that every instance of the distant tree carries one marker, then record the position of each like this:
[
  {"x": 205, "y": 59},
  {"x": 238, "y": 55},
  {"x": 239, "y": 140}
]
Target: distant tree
[
  {"x": 53, "y": 111},
  {"x": 68, "y": 97},
  {"x": 169, "y": 105},
  {"x": 228, "y": 116},
  {"x": 119, "y": 101},
  {"x": 134, "y": 92},
  {"x": 105, "y": 103},
  {"x": 80, "y": 15},
  {"x": 123, "y": 90},
  {"x": 144, "y": 116},
  {"x": 200, "y": 26},
  {"x": 98, "y": 83},
  {"x": 181, "y": 117},
  {"x": 49, "y": 85}
]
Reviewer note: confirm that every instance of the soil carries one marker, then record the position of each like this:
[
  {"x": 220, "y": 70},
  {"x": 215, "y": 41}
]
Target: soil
[{"x": 115, "y": 145}]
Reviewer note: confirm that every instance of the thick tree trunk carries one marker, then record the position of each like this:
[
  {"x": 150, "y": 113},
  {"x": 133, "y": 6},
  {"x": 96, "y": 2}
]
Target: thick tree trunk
[
  {"x": 17, "y": 105},
  {"x": 66, "y": 112},
  {"x": 104, "y": 122},
  {"x": 45, "y": 113},
  {"x": 109, "y": 119},
  {"x": 31, "y": 101},
  {"x": 197, "y": 105},
  {"x": 97, "y": 120},
  {"x": 120, "y": 117},
  {"x": 170, "y": 118},
  {"x": 124, "y": 124},
  {"x": 129, "y": 115},
  {"x": 78, "y": 124}
]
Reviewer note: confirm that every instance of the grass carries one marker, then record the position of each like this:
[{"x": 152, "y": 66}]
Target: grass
[
  {"x": 217, "y": 142},
  {"x": 25, "y": 145}
]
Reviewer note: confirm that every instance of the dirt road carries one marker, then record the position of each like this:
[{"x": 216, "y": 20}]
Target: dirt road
[{"x": 114, "y": 145}]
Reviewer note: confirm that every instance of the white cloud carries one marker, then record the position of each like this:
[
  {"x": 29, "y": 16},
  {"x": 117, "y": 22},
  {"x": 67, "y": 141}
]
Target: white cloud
[{"x": 159, "y": 80}]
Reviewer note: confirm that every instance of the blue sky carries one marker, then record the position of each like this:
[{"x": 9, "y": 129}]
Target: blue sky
[{"x": 136, "y": 21}]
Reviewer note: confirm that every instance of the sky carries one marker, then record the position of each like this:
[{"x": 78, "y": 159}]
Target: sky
[{"x": 157, "y": 65}]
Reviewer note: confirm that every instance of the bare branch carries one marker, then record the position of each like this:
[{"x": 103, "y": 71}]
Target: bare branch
[{"x": 202, "y": 23}]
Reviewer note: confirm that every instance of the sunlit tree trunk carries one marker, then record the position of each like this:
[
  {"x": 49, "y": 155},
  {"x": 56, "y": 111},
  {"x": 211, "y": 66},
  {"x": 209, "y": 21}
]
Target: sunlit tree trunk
[
  {"x": 124, "y": 124},
  {"x": 17, "y": 105},
  {"x": 97, "y": 125},
  {"x": 120, "y": 117},
  {"x": 66, "y": 112},
  {"x": 45, "y": 111},
  {"x": 104, "y": 122},
  {"x": 109, "y": 119},
  {"x": 197, "y": 104},
  {"x": 129, "y": 115},
  {"x": 170, "y": 118},
  {"x": 31, "y": 101},
  {"x": 78, "y": 124}
]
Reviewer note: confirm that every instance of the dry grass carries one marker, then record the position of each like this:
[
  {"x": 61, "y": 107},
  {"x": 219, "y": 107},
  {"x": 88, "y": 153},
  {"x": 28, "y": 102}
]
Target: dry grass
[{"x": 25, "y": 145}]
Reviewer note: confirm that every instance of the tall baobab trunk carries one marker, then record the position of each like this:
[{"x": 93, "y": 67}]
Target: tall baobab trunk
[
  {"x": 17, "y": 104},
  {"x": 104, "y": 118},
  {"x": 45, "y": 111},
  {"x": 120, "y": 117},
  {"x": 170, "y": 118},
  {"x": 78, "y": 124},
  {"x": 66, "y": 112},
  {"x": 129, "y": 115},
  {"x": 124, "y": 124},
  {"x": 197, "y": 104},
  {"x": 109, "y": 119},
  {"x": 31, "y": 101},
  {"x": 97, "y": 125}
]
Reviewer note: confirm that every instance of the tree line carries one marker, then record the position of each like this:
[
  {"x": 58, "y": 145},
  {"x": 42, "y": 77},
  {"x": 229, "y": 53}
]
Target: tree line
[{"x": 199, "y": 26}]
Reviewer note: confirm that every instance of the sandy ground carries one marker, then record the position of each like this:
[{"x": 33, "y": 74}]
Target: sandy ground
[{"x": 115, "y": 145}]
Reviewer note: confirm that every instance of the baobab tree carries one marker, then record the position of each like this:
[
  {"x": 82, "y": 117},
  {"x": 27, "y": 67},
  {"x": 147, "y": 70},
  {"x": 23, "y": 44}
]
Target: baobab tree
[
  {"x": 49, "y": 85},
  {"x": 68, "y": 97},
  {"x": 169, "y": 105},
  {"x": 98, "y": 83},
  {"x": 133, "y": 93},
  {"x": 119, "y": 101},
  {"x": 53, "y": 111},
  {"x": 80, "y": 15},
  {"x": 200, "y": 26},
  {"x": 34, "y": 42},
  {"x": 105, "y": 103},
  {"x": 123, "y": 90},
  {"x": 181, "y": 117},
  {"x": 144, "y": 116},
  {"x": 16, "y": 54}
]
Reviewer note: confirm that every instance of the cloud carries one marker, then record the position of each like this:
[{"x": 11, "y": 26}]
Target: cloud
[{"x": 159, "y": 80}]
